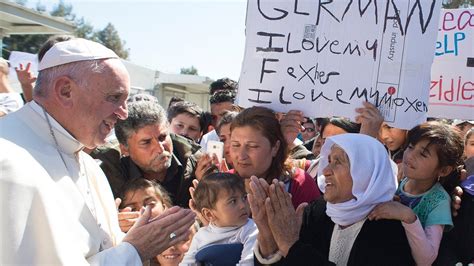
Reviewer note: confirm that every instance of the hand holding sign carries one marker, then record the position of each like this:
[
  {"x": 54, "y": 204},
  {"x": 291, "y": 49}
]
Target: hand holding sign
[
  {"x": 370, "y": 119},
  {"x": 310, "y": 57}
]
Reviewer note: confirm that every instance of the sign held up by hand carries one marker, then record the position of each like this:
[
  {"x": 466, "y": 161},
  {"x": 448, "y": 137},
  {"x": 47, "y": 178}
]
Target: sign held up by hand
[
  {"x": 452, "y": 73},
  {"x": 326, "y": 57}
]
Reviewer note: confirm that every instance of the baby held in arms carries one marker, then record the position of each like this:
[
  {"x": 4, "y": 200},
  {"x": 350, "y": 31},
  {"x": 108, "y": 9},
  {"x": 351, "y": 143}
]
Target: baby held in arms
[{"x": 222, "y": 200}]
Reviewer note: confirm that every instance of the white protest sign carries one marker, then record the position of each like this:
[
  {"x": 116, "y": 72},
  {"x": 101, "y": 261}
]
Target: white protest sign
[
  {"x": 326, "y": 57},
  {"x": 452, "y": 73},
  {"x": 16, "y": 58}
]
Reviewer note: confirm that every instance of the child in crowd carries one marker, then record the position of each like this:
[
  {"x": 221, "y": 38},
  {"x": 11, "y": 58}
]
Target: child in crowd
[
  {"x": 185, "y": 120},
  {"x": 174, "y": 254},
  {"x": 458, "y": 244},
  {"x": 140, "y": 192},
  {"x": 431, "y": 158},
  {"x": 394, "y": 139},
  {"x": 469, "y": 144},
  {"x": 222, "y": 200}
]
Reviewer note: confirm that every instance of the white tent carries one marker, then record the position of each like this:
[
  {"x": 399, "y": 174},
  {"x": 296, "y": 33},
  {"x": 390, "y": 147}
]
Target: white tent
[{"x": 16, "y": 19}]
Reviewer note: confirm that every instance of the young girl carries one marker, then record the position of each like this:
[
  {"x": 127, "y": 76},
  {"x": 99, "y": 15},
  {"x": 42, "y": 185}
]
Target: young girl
[
  {"x": 431, "y": 158},
  {"x": 222, "y": 200},
  {"x": 141, "y": 192},
  {"x": 394, "y": 139}
]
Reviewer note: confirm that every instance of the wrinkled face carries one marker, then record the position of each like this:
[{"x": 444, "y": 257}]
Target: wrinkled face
[
  {"x": 251, "y": 152},
  {"x": 175, "y": 254},
  {"x": 231, "y": 209},
  {"x": 218, "y": 110},
  {"x": 338, "y": 177},
  {"x": 224, "y": 136},
  {"x": 331, "y": 130},
  {"x": 186, "y": 125},
  {"x": 469, "y": 147},
  {"x": 141, "y": 198},
  {"x": 309, "y": 131},
  {"x": 151, "y": 148},
  {"x": 392, "y": 138},
  {"x": 420, "y": 161},
  {"x": 97, "y": 107}
]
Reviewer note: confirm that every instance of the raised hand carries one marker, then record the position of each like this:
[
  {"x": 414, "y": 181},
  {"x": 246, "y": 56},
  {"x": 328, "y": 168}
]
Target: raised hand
[
  {"x": 205, "y": 165},
  {"x": 26, "y": 79},
  {"x": 152, "y": 237},
  {"x": 290, "y": 125},
  {"x": 25, "y": 76},
  {"x": 257, "y": 196},
  {"x": 126, "y": 217},
  {"x": 370, "y": 119},
  {"x": 284, "y": 221},
  {"x": 192, "y": 204}
]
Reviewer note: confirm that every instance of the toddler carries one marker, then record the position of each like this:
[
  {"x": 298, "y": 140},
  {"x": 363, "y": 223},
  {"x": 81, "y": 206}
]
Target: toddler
[{"x": 222, "y": 200}]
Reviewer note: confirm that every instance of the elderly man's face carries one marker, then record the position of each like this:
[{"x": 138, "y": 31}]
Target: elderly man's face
[
  {"x": 338, "y": 177},
  {"x": 151, "y": 148},
  {"x": 98, "y": 106}
]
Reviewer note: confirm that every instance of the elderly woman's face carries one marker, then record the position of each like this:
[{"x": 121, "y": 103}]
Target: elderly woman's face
[
  {"x": 251, "y": 152},
  {"x": 338, "y": 177}
]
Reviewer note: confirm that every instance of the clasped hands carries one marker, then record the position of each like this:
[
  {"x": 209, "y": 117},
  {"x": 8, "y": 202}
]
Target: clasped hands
[{"x": 277, "y": 220}]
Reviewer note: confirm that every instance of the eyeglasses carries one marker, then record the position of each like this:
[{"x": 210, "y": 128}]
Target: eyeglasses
[{"x": 309, "y": 129}]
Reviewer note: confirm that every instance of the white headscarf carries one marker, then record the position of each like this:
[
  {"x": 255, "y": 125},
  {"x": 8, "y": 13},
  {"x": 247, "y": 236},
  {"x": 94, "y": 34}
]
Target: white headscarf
[{"x": 373, "y": 178}]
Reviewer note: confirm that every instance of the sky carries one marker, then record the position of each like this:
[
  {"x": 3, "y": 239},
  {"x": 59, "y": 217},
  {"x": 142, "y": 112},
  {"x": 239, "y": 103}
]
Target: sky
[{"x": 169, "y": 35}]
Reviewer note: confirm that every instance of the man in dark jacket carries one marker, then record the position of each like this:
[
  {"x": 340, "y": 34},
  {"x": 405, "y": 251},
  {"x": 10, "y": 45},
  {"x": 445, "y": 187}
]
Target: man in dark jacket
[{"x": 150, "y": 151}]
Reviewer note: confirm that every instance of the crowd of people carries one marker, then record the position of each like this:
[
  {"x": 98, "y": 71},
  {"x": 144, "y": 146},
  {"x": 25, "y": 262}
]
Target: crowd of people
[{"x": 93, "y": 175}]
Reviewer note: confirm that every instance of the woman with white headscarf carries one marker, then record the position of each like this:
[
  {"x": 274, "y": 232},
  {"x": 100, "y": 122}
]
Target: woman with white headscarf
[{"x": 355, "y": 175}]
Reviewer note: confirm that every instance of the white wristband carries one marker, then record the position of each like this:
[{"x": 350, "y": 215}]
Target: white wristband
[{"x": 273, "y": 258}]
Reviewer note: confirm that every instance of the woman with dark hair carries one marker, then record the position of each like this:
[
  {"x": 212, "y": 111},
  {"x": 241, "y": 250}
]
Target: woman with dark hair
[
  {"x": 338, "y": 125},
  {"x": 258, "y": 148}
]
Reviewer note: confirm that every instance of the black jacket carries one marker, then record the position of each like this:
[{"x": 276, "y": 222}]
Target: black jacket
[
  {"x": 380, "y": 242},
  {"x": 179, "y": 175}
]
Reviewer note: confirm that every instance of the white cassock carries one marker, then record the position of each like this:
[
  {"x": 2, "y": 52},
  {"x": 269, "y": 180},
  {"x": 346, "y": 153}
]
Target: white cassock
[{"x": 55, "y": 210}]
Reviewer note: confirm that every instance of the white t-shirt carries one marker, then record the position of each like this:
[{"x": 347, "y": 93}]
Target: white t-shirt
[
  {"x": 212, "y": 135},
  {"x": 211, "y": 234},
  {"x": 10, "y": 102}
]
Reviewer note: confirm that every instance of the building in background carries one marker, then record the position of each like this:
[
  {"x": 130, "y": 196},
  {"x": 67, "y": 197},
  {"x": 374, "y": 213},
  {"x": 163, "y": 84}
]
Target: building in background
[
  {"x": 192, "y": 88},
  {"x": 16, "y": 19}
]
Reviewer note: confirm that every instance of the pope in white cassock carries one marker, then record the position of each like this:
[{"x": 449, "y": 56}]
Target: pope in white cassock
[{"x": 56, "y": 205}]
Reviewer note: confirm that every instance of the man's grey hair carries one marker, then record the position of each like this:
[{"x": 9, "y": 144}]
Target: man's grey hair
[
  {"x": 140, "y": 114},
  {"x": 77, "y": 71}
]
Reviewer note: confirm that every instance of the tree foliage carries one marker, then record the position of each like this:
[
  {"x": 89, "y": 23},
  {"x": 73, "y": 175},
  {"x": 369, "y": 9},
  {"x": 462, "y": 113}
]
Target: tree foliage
[
  {"x": 111, "y": 39},
  {"x": 457, "y": 3},
  {"x": 189, "y": 70},
  {"x": 31, "y": 43}
]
